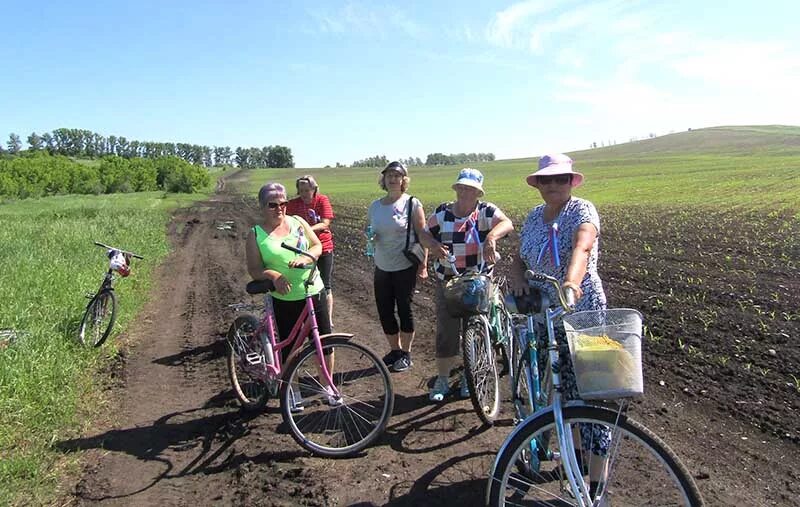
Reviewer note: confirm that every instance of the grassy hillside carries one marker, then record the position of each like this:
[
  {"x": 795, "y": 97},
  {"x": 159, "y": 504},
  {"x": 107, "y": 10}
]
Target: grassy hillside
[{"x": 746, "y": 168}]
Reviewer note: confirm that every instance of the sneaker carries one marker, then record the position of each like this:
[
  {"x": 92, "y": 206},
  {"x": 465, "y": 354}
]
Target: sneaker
[
  {"x": 331, "y": 398},
  {"x": 441, "y": 388},
  {"x": 295, "y": 401},
  {"x": 390, "y": 358},
  {"x": 403, "y": 363},
  {"x": 464, "y": 391}
]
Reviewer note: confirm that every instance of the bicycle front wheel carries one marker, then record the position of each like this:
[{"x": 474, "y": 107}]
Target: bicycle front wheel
[
  {"x": 333, "y": 426},
  {"x": 480, "y": 369},
  {"x": 638, "y": 468},
  {"x": 98, "y": 319},
  {"x": 245, "y": 364}
]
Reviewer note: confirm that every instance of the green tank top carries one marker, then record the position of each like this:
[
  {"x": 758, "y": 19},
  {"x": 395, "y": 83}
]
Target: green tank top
[{"x": 277, "y": 258}]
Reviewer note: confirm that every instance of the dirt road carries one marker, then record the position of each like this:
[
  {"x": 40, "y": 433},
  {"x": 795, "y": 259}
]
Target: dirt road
[{"x": 177, "y": 436}]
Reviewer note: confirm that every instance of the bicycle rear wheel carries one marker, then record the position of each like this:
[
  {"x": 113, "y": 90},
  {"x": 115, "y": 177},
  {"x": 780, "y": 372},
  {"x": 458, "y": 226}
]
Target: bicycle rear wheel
[
  {"x": 337, "y": 427},
  {"x": 98, "y": 319},
  {"x": 249, "y": 381},
  {"x": 480, "y": 369},
  {"x": 638, "y": 469}
]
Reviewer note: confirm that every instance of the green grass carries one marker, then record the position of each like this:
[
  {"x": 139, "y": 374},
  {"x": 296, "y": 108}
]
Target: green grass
[
  {"x": 733, "y": 167},
  {"x": 48, "y": 262}
]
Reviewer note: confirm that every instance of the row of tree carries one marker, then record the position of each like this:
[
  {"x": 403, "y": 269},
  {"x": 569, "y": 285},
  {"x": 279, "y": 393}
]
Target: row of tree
[
  {"x": 38, "y": 175},
  {"x": 432, "y": 159},
  {"x": 88, "y": 144}
]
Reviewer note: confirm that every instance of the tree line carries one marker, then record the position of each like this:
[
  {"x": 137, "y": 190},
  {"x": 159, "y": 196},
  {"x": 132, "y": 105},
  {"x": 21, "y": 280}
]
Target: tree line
[
  {"x": 39, "y": 174},
  {"x": 433, "y": 159},
  {"x": 88, "y": 144}
]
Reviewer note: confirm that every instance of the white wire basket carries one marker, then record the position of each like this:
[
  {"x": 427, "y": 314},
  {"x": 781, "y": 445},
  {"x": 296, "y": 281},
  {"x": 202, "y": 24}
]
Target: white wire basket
[{"x": 606, "y": 351}]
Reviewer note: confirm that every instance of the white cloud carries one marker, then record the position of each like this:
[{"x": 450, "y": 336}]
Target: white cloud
[
  {"x": 506, "y": 24},
  {"x": 365, "y": 18}
]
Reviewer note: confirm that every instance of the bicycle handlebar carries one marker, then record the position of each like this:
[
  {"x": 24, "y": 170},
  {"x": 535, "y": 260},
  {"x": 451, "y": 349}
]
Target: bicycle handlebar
[
  {"x": 136, "y": 256},
  {"x": 565, "y": 297},
  {"x": 299, "y": 252}
]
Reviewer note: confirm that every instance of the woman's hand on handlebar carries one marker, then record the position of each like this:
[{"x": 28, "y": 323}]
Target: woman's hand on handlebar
[
  {"x": 299, "y": 262},
  {"x": 574, "y": 288}
]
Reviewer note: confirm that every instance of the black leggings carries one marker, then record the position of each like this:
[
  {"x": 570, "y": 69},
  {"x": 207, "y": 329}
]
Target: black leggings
[
  {"x": 395, "y": 288},
  {"x": 325, "y": 267},
  {"x": 287, "y": 313}
]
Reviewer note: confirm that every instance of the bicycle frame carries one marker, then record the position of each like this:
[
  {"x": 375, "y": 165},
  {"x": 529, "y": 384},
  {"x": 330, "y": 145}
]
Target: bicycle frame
[
  {"x": 306, "y": 325},
  {"x": 565, "y": 440}
]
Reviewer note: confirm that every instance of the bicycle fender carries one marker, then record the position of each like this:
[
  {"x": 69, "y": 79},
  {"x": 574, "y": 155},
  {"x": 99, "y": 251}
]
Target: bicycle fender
[{"x": 346, "y": 336}]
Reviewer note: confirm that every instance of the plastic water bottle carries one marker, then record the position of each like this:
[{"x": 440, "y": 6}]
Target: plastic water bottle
[
  {"x": 370, "y": 251},
  {"x": 268, "y": 356}
]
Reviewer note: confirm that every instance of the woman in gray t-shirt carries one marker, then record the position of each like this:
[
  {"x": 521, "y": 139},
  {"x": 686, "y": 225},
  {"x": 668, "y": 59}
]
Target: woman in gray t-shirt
[{"x": 395, "y": 276}]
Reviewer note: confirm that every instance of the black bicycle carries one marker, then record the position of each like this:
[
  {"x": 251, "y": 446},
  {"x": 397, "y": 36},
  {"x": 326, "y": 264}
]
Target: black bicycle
[{"x": 101, "y": 311}]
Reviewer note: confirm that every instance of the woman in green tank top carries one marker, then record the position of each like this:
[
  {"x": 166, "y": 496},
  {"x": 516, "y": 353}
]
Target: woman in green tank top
[{"x": 267, "y": 260}]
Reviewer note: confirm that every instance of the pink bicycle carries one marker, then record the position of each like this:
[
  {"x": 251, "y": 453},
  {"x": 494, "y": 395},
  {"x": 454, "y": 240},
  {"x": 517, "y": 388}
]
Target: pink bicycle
[{"x": 333, "y": 411}]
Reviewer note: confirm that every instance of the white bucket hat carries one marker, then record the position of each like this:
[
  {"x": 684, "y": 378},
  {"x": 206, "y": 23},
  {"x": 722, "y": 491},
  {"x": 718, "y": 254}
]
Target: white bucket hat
[
  {"x": 471, "y": 178},
  {"x": 550, "y": 165}
]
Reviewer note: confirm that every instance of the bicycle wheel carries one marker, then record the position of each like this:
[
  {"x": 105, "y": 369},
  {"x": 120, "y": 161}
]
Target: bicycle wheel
[
  {"x": 337, "y": 427},
  {"x": 638, "y": 469},
  {"x": 98, "y": 319},
  {"x": 248, "y": 379},
  {"x": 480, "y": 369}
]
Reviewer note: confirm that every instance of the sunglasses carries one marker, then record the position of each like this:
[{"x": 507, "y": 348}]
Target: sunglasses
[
  {"x": 276, "y": 205},
  {"x": 558, "y": 179}
]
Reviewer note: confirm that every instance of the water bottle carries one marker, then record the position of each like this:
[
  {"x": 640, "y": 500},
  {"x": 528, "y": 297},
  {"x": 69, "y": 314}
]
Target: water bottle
[
  {"x": 370, "y": 251},
  {"x": 268, "y": 356}
]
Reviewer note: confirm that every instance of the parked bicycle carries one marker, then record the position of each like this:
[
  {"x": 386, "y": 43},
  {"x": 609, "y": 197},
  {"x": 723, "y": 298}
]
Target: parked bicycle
[
  {"x": 486, "y": 335},
  {"x": 331, "y": 411},
  {"x": 554, "y": 454},
  {"x": 101, "y": 311}
]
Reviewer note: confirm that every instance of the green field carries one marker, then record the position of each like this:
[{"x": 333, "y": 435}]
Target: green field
[
  {"x": 49, "y": 387},
  {"x": 746, "y": 168}
]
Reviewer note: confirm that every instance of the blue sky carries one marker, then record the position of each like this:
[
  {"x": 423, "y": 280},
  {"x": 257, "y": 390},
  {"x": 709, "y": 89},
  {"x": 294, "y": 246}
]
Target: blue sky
[{"x": 339, "y": 81}]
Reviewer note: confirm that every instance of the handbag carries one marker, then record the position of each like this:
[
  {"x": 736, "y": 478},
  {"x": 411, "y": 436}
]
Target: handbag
[{"x": 413, "y": 251}]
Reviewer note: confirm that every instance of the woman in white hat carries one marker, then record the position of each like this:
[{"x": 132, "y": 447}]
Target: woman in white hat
[
  {"x": 559, "y": 238},
  {"x": 467, "y": 228}
]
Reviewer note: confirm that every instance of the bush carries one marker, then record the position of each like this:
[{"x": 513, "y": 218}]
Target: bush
[{"x": 40, "y": 174}]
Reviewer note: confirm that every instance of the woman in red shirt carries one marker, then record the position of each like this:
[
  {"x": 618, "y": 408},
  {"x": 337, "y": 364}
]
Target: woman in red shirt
[{"x": 316, "y": 209}]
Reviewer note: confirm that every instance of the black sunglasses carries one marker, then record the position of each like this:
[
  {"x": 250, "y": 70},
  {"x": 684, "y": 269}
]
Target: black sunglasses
[
  {"x": 558, "y": 179},
  {"x": 275, "y": 205}
]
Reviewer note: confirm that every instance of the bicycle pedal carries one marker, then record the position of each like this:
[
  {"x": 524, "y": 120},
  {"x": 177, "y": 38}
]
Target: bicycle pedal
[
  {"x": 253, "y": 358},
  {"x": 89, "y": 295}
]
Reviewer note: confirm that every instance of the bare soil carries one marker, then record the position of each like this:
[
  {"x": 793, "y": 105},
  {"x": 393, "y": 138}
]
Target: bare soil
[{"x": 177, "y": 436}]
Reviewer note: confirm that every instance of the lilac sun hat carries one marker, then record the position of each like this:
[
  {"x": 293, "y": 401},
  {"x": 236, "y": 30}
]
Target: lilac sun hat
[{"x": 550, "y": 165}]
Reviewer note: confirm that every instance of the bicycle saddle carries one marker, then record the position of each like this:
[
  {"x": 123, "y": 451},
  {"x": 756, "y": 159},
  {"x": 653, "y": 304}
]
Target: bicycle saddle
[
  {"x": 260, "y": 287},
  {"x": 533, "y": 302}
]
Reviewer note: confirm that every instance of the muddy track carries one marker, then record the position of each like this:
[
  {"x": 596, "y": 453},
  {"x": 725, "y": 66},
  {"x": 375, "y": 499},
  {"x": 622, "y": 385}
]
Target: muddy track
[{"x": 178, "y": 437}]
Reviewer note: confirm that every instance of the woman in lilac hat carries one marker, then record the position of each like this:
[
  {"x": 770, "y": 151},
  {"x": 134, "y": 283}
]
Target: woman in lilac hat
[{"x": 559, "y": 238}]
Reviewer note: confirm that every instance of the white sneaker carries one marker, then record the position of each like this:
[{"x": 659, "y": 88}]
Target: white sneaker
[
  {"x": 332, "y": 399},
  {"x": 295, "y": 400},
  {"x": 441, "y": 388}
]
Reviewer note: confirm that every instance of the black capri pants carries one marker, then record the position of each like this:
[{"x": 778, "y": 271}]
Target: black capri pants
[
  {"x": 325, "y": 267},
  {"x": 395, "y": 289}
]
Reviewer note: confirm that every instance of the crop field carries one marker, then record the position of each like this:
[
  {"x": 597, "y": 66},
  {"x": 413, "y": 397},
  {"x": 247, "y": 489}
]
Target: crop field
[{"x": 48, "y": 262}]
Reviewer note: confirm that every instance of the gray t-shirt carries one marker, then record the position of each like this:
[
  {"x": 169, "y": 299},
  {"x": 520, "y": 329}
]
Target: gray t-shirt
[{"x": 388, "y": 222}]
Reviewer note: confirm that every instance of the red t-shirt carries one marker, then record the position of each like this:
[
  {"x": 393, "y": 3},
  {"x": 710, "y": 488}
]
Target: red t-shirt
[{"x": 313, "y": 213}]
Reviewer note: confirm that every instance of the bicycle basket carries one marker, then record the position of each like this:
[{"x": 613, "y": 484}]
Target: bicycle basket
[
  {"x": 468, "y": 295},
  {"x": 606, "y": 351}
]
